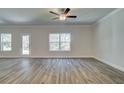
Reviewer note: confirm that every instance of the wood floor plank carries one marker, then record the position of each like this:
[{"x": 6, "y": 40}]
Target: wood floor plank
[{"x": 58, "y": 71}]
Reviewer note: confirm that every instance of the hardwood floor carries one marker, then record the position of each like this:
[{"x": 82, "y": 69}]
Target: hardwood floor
[{"x": 58, "y": 71}]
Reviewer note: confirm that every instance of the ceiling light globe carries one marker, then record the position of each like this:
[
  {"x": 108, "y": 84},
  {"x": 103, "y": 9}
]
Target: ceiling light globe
[{"x": 62, "y": 17}]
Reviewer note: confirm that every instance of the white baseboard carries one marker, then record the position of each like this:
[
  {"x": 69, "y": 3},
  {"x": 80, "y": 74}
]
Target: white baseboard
[
  {"x": 46, "y": 56},
  {"x": 111, "y": 64}
]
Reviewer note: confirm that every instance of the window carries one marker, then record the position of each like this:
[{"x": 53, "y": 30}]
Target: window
[
  {"x": 25, "y": 45},
  {"x": 59, "y": 42},
  {"x": 6, "y": 42}
]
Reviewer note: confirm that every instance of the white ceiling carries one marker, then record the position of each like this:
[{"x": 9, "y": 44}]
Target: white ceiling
[{"x": 41, "y": 16}]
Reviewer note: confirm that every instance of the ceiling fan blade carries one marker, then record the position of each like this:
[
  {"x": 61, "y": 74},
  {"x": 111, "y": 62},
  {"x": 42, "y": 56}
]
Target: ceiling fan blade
[
  {"x": 71, "y": 16},
  {"x": 66, "y": 10},
  {"x": 53, "y": 13},
  {"x": 55, "y": 18}
]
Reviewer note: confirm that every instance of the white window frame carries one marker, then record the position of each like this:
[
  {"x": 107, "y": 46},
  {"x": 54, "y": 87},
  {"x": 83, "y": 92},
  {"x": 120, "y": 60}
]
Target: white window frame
[
  {"x": 60, "y": 42},
  {"x": 22, "y": 44},
  {"x": 1, "y": 42}
]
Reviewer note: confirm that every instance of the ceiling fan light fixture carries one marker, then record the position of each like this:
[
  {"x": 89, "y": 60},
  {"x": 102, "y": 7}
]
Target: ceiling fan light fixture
[{"x": 62, "y": 17}]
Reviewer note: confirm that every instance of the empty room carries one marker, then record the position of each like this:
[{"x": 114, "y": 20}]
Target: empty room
[{"x": 61, "y": 46}]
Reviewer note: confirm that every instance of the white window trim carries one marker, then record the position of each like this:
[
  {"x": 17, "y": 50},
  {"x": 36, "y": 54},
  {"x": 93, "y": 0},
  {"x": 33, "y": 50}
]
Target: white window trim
[
  {"x": 60, "y": 42},
  {"x": 1, "y": 47}
]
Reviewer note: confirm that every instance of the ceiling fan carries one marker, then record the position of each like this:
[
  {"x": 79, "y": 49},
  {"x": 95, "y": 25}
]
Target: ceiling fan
[{"x": 64, "y": 15}]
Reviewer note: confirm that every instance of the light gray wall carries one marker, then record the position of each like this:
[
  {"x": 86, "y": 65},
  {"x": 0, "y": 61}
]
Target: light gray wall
[
  {"x": 80, "y": 45},
  {"x": 109, "y": 39}
]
